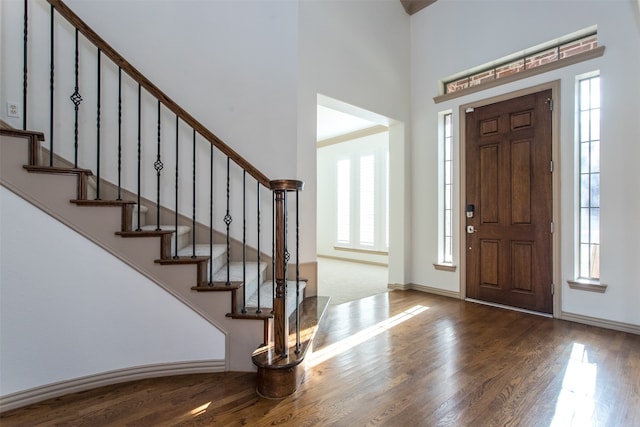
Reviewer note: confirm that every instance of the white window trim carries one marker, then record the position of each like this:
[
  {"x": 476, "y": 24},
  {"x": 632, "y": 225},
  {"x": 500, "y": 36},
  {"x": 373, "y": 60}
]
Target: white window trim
[{"x": 442, "y": 264}]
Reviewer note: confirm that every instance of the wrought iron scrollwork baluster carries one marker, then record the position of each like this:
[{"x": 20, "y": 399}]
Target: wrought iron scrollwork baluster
[
  {"x": 99, "y": 83},
  {"x": 227, "y": 221},
  {"x": 76, "y": 98},
  {"x": 158, "y": 165}
]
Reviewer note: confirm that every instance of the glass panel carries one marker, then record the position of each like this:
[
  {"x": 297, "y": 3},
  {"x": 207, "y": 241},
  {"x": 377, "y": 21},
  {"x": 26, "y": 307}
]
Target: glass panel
[
  {"x": 386, "y": 225},
  {"x": 595, "y": 156},
  {"x": 584, "y": 95},
  {"x": 447, "y": 125},
  {"x": 584, "y": 261},
  {"x": 595, "y": 225},
  {"x": 595, "y": 124},
  {"x": 447, "y": 172},
  {"x": 595, "y": 92},
  {"x": 476, "y": 79},
  {"x": 594, "y": 260},
  {"x": 584, "y": 225},
  {"x": 447, "y": 222},
  {"x": 595, "y": 190},
  {"x": 584, "y": 190},
  {"x": 584, "y": 126},
  {"x": 447, "y": 250},
  {"x": 584, "y": 157},
  {"x": 367, "y": 200},
  {"x": 541, "y": 58},
  {"x": 344, "y": 200}
]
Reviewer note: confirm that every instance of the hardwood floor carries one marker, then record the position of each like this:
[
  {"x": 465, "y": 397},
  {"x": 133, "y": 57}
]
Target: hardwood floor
[{"x": 399, "y": 359}]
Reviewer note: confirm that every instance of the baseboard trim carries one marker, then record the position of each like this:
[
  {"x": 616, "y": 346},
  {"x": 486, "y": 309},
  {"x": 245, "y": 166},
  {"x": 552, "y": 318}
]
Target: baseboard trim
[
  {"x": 38, "y": 394},
  {"x": 423, "y": 288},
  {"x": 602, "y": 323}
]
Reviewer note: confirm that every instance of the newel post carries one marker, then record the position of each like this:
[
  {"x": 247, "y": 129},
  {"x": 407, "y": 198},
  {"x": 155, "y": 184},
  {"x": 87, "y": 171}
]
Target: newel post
[{"x": 280, "y": 319}]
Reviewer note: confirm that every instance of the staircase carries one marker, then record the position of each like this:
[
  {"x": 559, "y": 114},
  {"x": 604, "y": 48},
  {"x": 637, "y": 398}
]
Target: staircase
[{"x": 180, "y": 232}]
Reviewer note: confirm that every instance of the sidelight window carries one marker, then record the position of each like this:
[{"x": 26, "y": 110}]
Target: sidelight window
[
  {"x": 589, "y": 177},
  {"x": 446, "y": 189}
]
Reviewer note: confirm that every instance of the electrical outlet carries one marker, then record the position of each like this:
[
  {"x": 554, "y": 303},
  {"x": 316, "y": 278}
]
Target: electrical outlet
[{"x": 12, "y": 109}]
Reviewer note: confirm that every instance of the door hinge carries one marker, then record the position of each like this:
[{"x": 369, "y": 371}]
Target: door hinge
[
  {"x": 551, "y": 166},
  {"x": 552, "y": 227},
  {"x": 553, "y": 289},
  {"x": 550, "y": 102}
]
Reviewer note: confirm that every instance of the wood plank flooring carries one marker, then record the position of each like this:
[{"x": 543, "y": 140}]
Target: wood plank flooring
[{"x": 404, "y": 358}]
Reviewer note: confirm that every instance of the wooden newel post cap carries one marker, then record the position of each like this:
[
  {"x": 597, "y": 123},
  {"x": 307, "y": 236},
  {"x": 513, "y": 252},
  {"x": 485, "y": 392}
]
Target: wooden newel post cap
[{"x": 286, "y": 185}]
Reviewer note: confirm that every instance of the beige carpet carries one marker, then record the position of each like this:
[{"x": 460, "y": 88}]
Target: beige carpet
[{"x": 346, "y": 281}]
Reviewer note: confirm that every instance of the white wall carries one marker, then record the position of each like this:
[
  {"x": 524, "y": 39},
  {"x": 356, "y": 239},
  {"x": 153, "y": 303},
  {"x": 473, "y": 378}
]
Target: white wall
[
  {"x": 451, "y": 36},
  {"x": 357, "y": 52},
  {"x": 69, "y": 309}
]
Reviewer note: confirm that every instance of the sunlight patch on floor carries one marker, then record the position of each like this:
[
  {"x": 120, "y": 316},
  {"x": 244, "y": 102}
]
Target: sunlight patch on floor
[
  {"x": 200, "y": 409},
  {"x": 342, "y": 346},
  {"x": 575, "y": 403}
]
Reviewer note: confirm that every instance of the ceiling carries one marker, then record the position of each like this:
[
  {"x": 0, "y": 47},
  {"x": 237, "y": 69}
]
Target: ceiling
[
  {"x": 332, "y": 123},
  {"x": 413, "y": 6}
]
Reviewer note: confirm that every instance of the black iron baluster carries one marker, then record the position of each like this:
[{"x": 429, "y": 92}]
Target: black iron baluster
[
  {"x": 286, "y": 257},
  {"x": 24, "y": 66},
  {"x": 297, "y": 271},
  {"x": 51, "y": 87},
  {"x": 139, "y": 151},
  {"x": 211, "y": 214},
  {"x": 98, "y": 129},
  {"x": 193, "y": 204},
  {"x": 158, "y": 167},
  {"x": 259, "y": 309},
  {"x": 76, "y": 98},
  {"x": 273, "y": 247},
  {"x": 177, "y": 173},
  {"x": 119, "y": 133},
  {"x": 244, "y": 241},
  {"x": 227, "y": 221}
]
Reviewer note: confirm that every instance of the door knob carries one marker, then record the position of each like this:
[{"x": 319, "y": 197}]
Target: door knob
[{"x": 471, "y": 229}]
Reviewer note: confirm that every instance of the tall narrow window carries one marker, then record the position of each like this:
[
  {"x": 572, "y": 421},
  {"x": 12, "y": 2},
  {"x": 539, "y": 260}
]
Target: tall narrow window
[
  {"x": 447, "y": 191},
  {"x": 589, "y": 180},
  {"x": 344, "y": 201},
  {"x": 367, "y": 200}
]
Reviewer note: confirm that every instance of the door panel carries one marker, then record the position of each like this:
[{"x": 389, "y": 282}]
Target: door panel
[{"x": 508, "y": 157}]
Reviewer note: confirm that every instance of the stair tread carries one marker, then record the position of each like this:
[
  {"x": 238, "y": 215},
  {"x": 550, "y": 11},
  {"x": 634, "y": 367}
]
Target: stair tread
[
  {"x": 57, "y": 169},
  {"x": 143, "y": 233},
  {"x": 236, "y": 271},
  {"x": 252, "y": 314},
  {"x": 100, "y": 202},
  {"x": 218, "y": 287},
  {"x": 182, "y": 229},
  {"x": 202, "y": 249},
  {"x": 182, "y": 260},
  {"x": 266, "y": 295}
]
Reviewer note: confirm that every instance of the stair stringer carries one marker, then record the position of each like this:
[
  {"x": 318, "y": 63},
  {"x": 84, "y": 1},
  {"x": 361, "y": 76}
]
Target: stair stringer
[{"x": 53, "y": 193}]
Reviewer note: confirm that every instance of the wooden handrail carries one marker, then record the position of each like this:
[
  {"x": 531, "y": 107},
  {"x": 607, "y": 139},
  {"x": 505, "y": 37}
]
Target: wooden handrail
[{"x": 114, "y": 56}]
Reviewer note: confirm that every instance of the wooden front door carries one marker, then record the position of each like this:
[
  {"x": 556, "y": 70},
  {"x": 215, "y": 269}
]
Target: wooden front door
[{"x": 509, "y": 191}]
